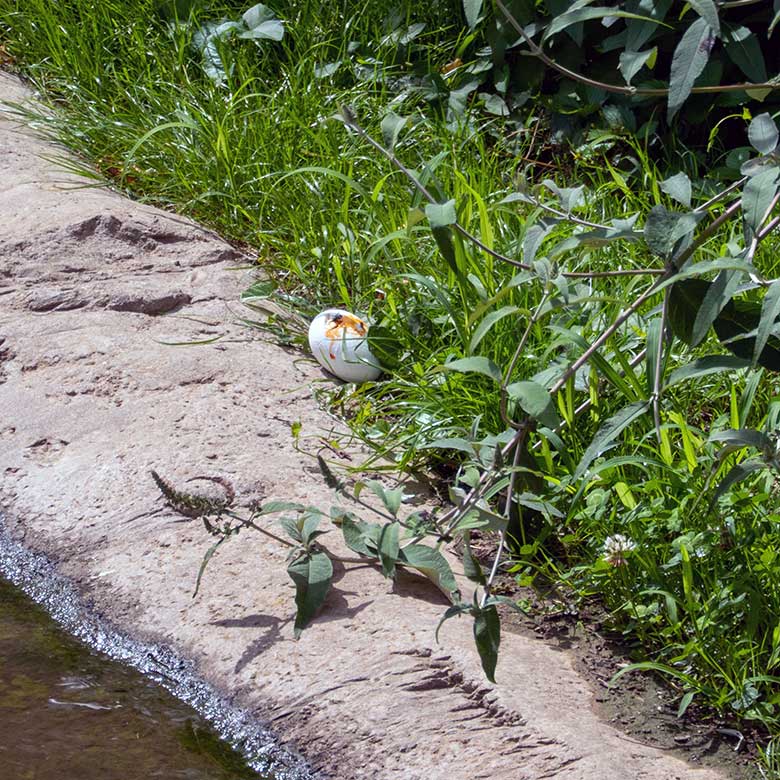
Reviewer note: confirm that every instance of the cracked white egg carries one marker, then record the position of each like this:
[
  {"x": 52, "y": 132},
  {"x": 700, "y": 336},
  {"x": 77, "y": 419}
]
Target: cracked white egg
[{"x": 337, "y": 339}]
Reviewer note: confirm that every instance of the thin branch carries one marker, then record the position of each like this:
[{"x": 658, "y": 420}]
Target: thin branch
[
  {"x": 722, "y": 194},
  {"x": 515, "y": 357},
  {"x": 605, "y": 335},
  {"x": 538, "y": 52},
  {"x": 519, "y": 444},
  {"x": 656, "y": 396}
]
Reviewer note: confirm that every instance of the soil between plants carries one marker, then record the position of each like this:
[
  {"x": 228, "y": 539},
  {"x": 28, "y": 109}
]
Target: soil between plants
[{"x": 93, "y": 291}]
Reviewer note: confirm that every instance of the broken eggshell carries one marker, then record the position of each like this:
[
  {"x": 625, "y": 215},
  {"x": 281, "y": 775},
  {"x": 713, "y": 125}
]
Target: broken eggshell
[{"x": 337, "y": 339}]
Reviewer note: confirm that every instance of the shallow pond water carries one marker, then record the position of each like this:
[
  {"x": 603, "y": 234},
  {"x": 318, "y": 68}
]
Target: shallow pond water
[{"x": 69, "y": 713}]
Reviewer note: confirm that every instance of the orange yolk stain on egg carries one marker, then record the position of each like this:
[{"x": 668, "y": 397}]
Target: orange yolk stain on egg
[{"x": 343, "y": 325}]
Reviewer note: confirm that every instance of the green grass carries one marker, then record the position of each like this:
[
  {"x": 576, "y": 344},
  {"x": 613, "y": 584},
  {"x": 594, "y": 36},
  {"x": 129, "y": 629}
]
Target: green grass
[{"x": 260, "y": 158}]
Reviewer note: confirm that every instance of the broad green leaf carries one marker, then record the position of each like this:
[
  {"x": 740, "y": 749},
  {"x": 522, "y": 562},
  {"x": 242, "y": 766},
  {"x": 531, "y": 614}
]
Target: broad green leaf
[
  {"x": 391, "y": 126},
  {"x": 432, "y": 564},
  {"x": 450, "y": 443},
  {"x": 262, "y": 23},
  {"x": 737, "y": 474},
  {"x": 608, "y": 433},
  {"x": 664, "y": 228},
  {"x": 736, "y": 327},
  {"x": 757, "y": 197},
  {"x": 743, "y": 437},
  {"x": 271, "y": 507},
  {"x": 708, "y": 11},
  {"x": 487, "y": 322},
  {"x": 292, "y": 527},
  {"x": 711, "y": 364},
  {"x": 685, "y": 300},
  {"x": 679, "y": 188},
  {"x": 535, "y": 401},
  {"x": 355, "y": 536},
  {"x": 487, "y": 635},
  {"x": 744, "y": 51},
  {"x": 441, "y": 214},
  {"x": 584, "y": 14},
  {"x": 690, "y": 57},
  {"x": 639, "y": 32},
  {"x": 445, "y": 241},
  {"x": 312, "y": 575},
  {"x": 720, "y": 292},
  {"x": 309, "y": 530},
  {"x": 631, "y": 62},
  {"x": 770, "y": 312},
  {"x": 762, "y": 134},
  {"x": 474, "y": 365},
  {"x": 569, "y": 198},
  {"x": 471, "y": 567},
  {"x": 472, "y": 9},
  {"x": 388, "y": 548},
  {"x": 390, "y": 498},
  {"x": 456, "y": 610}
]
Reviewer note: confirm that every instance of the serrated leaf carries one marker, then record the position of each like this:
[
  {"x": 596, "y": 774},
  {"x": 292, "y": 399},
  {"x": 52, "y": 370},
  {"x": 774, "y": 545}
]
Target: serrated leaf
[
  {"x": 472, "y": 9},
  {"x": 388, "y": 548},
  {"x": 474, "y": 365},
  {"x": 711, "y": 364},
  {"x": 432, "y": 564},
  {"x": 487, "y": 635},
  {"x": 744, "y": 51},
  {"x": 535, "y": 401},
  {"x": 608, "y": 433},
  {"x": 312, "y": 575},
  {"x": 441, "y": 214},
  {"x": 391, "y": 127},
  {"x": 690, "y": 57},
  {"x": 679, "y": 188}
]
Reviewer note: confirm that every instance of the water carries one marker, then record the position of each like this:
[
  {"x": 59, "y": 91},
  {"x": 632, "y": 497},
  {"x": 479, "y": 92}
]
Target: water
[
  {"x": 68, "y": 711},
  {"x": 69, "y": 714}
]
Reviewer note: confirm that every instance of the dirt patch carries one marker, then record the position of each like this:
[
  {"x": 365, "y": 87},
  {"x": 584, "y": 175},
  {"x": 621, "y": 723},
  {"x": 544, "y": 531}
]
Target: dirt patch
[
  {"x": 92, "y": 288},
  {"x": 642, "y": 706}
]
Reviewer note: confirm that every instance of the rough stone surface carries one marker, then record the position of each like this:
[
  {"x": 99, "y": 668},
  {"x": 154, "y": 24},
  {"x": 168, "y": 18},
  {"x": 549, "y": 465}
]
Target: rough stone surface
[{"x": 91, "y": 400}]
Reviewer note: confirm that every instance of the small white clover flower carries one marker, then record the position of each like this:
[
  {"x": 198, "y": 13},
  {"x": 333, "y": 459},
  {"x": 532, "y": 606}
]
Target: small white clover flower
[{"x": 615, "y": 549}]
